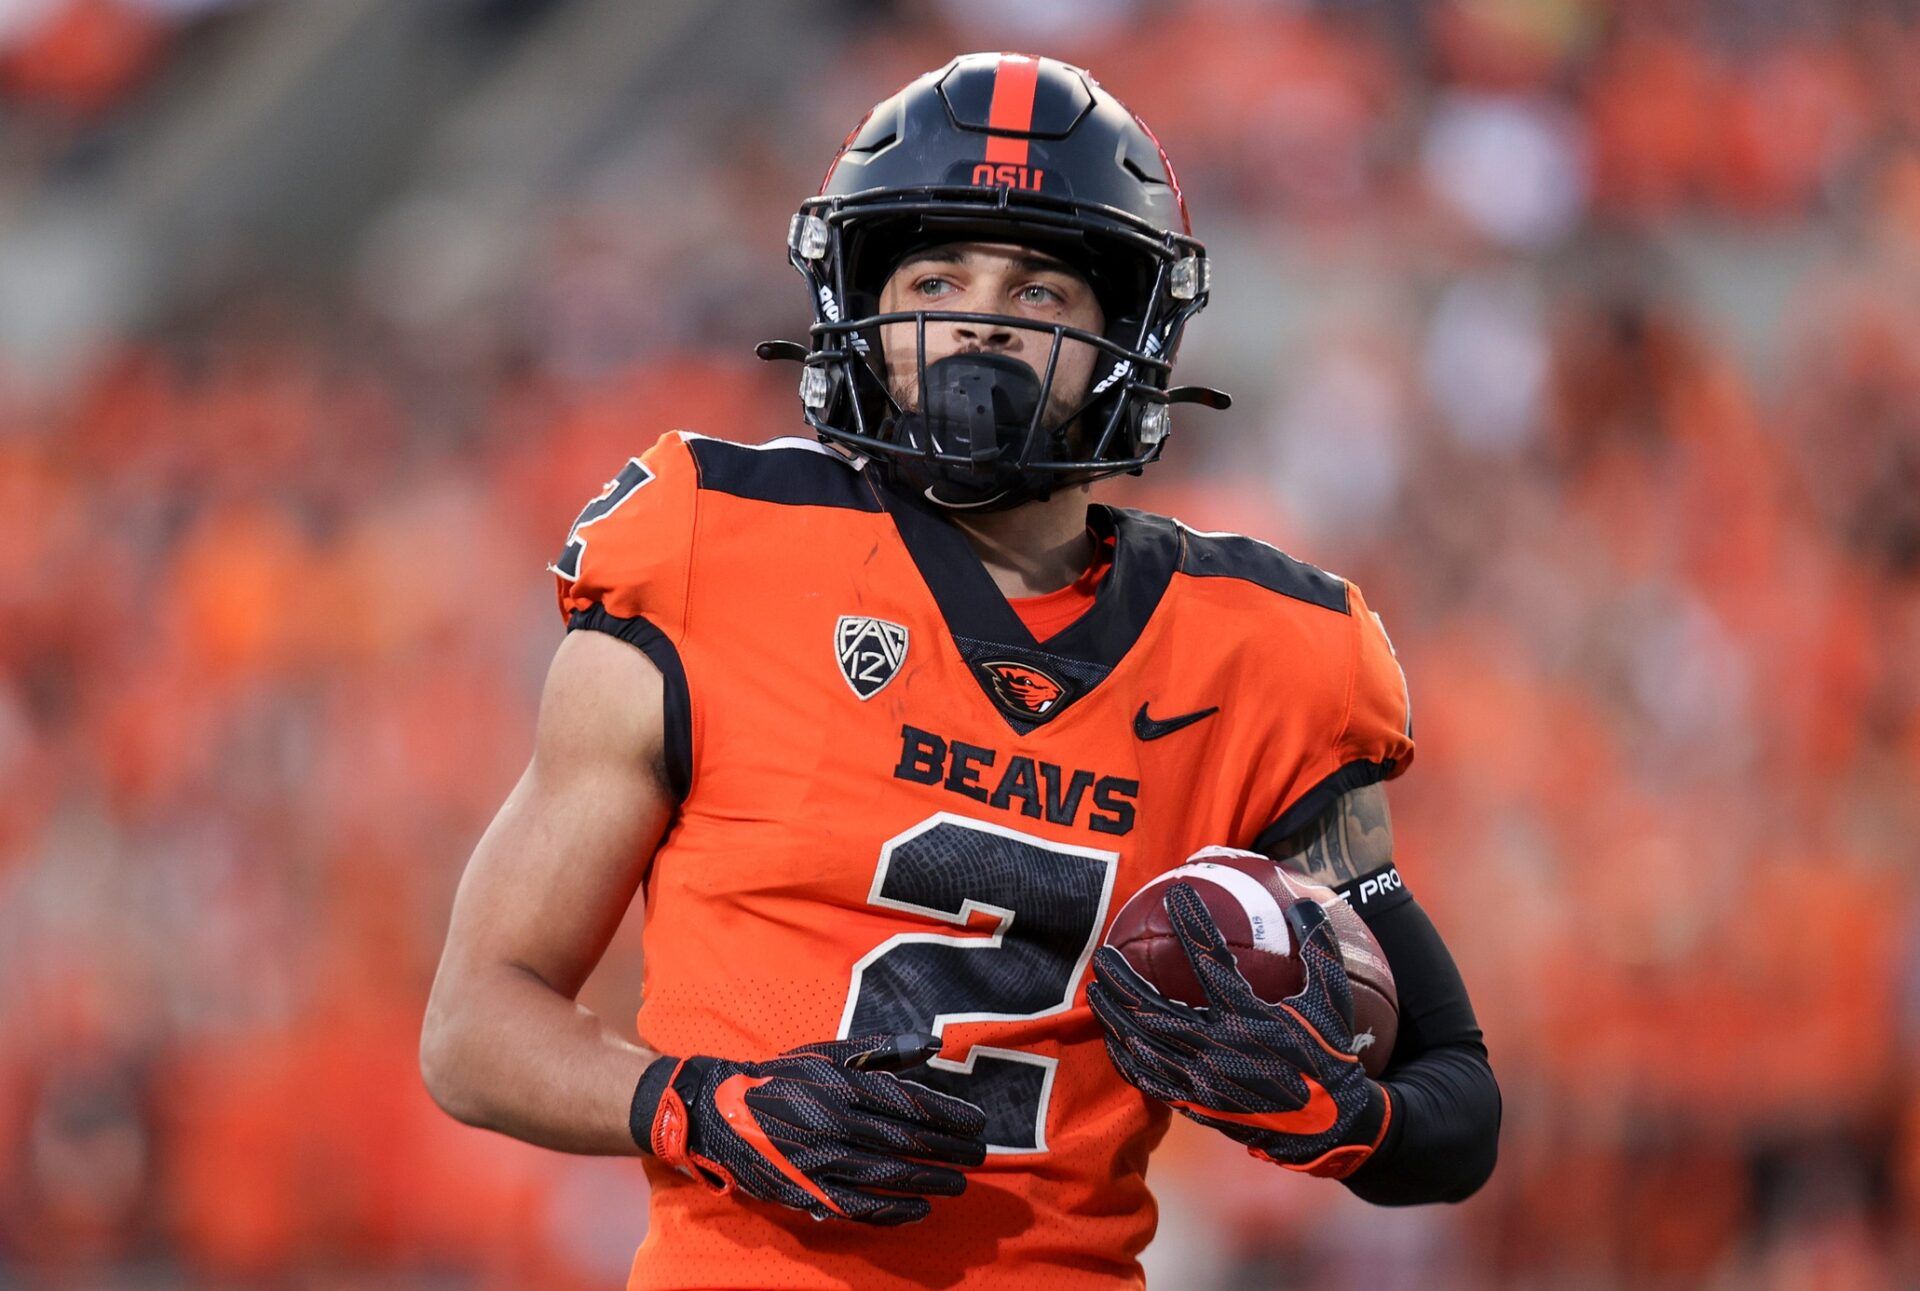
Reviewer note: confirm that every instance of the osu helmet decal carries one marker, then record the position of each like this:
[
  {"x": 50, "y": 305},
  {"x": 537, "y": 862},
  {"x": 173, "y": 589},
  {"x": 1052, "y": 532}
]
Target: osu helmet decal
[{"x": 1008, "y": 148}]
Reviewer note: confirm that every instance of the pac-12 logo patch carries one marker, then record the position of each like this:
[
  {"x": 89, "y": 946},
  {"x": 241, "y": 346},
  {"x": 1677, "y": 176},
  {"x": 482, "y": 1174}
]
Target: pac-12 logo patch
[
  {"x": 870, "y": 652},
  {"x": 1023, "y": 689}
]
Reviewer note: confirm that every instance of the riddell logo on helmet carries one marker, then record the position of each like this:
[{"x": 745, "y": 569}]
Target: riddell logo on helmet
[
  {"x": 1007, "y": 175},
  {"x": 1150, "y": 347},
  {"x": 831, "y": 308}
]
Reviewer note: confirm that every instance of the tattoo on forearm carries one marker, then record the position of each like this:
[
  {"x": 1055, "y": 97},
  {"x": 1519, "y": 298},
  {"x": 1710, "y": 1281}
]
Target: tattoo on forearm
[{"x": 1351, "y": 838}]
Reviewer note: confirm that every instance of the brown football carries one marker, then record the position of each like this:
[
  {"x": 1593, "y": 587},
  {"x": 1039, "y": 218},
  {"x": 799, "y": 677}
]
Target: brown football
[{"x": 1247, "y": 895}]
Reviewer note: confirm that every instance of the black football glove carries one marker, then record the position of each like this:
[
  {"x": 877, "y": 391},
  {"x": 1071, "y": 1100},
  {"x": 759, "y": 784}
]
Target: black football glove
[
  {"x": 825, "y": 1128},
  {"x": 1279, "y": 1078}
]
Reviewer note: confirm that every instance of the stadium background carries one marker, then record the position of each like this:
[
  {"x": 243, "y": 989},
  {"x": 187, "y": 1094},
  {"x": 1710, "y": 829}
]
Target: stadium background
[{"x": 1586, "y": 336}]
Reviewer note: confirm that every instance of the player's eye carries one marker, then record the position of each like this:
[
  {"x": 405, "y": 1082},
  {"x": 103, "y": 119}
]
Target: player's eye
[
  {"x": 933, "y": 286},
  {"x": 1037, "y": 293}
]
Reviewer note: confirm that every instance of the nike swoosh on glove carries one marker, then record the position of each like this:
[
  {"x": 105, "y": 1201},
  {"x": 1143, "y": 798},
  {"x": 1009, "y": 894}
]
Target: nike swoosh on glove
[
  {"x": 826, "y": 1128},
  {"x": 1279, "y": 1078}
]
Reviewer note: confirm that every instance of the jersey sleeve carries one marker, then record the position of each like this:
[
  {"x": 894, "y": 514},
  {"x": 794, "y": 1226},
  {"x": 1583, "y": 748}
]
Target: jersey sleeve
[
  {"x": 1379, "y": 727},
  {"x": 624, "y": 571},
  {"x": 1371, "y": 739},
  {"x": 629, "y": 552}
]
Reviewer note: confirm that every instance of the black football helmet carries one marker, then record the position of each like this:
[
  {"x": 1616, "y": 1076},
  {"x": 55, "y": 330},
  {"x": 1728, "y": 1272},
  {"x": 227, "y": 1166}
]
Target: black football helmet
[{"x": 1003, "y": 148}]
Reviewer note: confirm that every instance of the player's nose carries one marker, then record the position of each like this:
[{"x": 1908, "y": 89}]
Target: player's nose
[{"x": 986, "y": 335}]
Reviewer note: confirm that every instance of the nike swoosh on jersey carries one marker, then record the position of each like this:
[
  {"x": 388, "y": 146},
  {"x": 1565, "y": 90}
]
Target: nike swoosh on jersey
[
  {"x": 1318, "y": 1116},
  {"x": 1148, "y": 728},
  {"x": 730, "y": 1099}
]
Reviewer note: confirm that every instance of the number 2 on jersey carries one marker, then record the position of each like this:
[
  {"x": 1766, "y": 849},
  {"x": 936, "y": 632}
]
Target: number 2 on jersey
[
  {"x": 618, "y": 490},
  {"x": 1047, "y": 902}
]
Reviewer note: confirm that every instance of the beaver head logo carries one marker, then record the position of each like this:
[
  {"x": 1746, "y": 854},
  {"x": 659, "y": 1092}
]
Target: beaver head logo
[{"x": 1024, "y": 689}]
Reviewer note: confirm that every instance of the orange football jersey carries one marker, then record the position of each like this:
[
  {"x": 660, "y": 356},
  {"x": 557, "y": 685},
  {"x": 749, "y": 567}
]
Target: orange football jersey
[{"x": 898, "y": 812}]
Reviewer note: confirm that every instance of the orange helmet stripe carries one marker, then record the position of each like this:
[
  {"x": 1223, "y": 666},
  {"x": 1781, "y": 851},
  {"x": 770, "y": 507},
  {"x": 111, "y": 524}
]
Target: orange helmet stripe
[{"x": 1014, "y": 81}]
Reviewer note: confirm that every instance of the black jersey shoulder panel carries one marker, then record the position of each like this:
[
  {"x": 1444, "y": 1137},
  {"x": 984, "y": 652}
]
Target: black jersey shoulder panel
[
  {"x": 787, "y": 472},
  {"x": 1231, "y": 555}
]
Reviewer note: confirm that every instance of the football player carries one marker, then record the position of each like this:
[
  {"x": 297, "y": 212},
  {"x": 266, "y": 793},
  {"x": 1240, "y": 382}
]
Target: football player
[{"x": 886, "y": 721}]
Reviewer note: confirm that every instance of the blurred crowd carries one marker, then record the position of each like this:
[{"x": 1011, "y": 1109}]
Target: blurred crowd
[
  {"x": 1585, "y": 336},
  {"x": 83, "y": 60}
]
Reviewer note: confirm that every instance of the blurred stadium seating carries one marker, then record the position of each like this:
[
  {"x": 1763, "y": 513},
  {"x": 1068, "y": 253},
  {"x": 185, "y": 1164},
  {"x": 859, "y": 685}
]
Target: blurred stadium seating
[{"x": 1585, "y": 335}]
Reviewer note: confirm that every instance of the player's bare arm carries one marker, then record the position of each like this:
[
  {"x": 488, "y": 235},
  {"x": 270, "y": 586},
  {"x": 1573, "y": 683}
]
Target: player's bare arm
[
  {"x": 1352, "y": 838},
  {"x": 505, "y": 1045}
]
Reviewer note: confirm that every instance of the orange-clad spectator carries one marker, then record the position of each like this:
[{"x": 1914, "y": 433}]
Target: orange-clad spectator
[
  {"x": 1797, "y": 118},
  {"x": 1656, "y": 111}
]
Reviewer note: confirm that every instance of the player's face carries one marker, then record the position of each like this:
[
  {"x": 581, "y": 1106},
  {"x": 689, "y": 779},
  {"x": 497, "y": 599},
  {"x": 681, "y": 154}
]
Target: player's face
[{"x": 991, "y": 278}]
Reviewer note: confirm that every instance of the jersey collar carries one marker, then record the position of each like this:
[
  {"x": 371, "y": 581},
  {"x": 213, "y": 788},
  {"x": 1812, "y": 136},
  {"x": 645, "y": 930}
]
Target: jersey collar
[{"x": 986, "y": 630}]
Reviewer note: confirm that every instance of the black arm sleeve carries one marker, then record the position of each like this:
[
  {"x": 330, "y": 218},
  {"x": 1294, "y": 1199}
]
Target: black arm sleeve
[{"x": 1444, "y": 1134}]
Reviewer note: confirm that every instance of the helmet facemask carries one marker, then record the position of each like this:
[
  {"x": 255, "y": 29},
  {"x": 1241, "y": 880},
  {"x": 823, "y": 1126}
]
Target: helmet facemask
[
  {"x": 999, "y": 148},
  {"x": 986, "y": 436}
]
